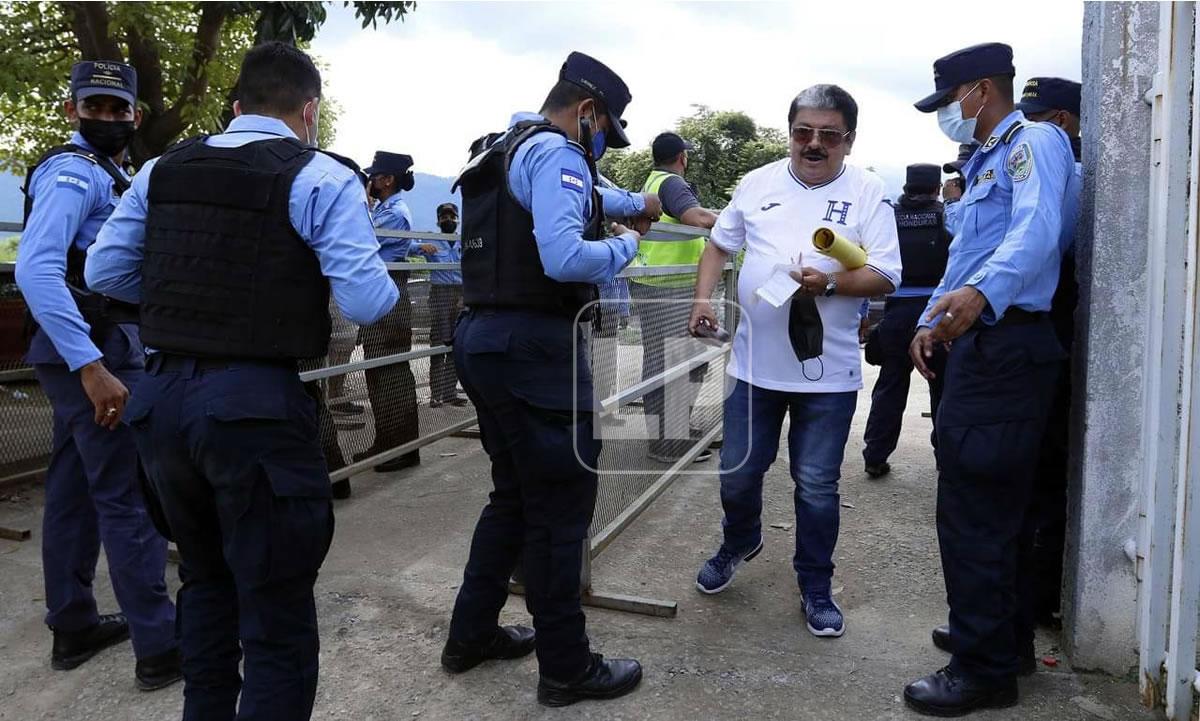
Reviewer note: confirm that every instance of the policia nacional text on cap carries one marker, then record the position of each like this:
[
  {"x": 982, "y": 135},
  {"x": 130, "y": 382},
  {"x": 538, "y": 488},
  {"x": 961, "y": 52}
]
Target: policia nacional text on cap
[{"x": 87, "y": 356}]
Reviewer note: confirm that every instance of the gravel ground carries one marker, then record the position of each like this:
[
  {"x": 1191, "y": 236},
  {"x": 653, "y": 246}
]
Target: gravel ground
[{"x": 387, "y": 587}]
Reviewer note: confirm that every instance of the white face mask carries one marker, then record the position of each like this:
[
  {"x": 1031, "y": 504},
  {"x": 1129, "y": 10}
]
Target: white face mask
[{"x": 954, "y": 125}]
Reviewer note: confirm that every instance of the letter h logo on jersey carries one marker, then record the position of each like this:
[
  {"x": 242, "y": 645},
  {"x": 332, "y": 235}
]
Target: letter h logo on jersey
[{"x": 841, "y": 212}]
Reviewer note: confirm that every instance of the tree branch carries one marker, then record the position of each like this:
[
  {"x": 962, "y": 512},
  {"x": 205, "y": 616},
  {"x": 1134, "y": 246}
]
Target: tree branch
[
  {"x": 144, "y": 57},
  {"x": 89, "y": 22},
  {"x": 161, "y": 129}
]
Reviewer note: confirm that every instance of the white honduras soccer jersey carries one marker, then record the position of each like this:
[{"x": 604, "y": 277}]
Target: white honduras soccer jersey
[{"x": 773, "y": 215}]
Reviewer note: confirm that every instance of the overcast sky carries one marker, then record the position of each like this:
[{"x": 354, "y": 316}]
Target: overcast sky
[{"x": 454, "y": 70}]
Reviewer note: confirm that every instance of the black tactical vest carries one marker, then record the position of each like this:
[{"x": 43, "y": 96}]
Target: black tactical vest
[
  {"x": 924, "y": 242},
  {"x": 501, "y": 266},
  {"x": 225, "y": 274},
  {"x": 98, "y": 311}
]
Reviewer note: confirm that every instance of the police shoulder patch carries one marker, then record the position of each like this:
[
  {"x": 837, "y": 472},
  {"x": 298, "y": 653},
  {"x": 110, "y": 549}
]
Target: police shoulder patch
[
  {"x": 572, "y": 180},
  {"x": 1020, "y": 162}
]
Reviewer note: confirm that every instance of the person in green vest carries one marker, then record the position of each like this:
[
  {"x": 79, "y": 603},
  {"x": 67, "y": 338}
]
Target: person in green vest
[{"x": 664, "y": 302}]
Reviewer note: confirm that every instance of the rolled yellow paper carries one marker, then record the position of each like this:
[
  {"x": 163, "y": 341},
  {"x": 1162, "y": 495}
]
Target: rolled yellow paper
[{"x": 829, "y": 243}]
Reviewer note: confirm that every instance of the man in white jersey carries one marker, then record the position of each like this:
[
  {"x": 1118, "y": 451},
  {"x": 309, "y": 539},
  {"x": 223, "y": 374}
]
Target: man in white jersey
[{"x": 773, "y": 214}]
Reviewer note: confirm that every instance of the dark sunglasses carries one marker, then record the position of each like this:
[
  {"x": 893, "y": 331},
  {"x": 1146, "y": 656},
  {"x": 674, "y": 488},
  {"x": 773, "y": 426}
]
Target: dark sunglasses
[{"x": 829, "y": 138}]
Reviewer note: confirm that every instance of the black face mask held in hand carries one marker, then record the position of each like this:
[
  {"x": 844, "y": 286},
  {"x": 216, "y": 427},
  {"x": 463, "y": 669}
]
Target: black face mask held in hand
[
  {"x": 805, "y": 330},
  {"x": 108, "y": 136}
]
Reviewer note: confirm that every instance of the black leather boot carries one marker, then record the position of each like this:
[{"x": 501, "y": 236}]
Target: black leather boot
[
  {"x": 605, "y": 679},
  {"x": 948, "y": 694},
  {"x": 509, "y": 642},
  {"x": 160, "y": 671},
  {"x": 72, "y": 648}
]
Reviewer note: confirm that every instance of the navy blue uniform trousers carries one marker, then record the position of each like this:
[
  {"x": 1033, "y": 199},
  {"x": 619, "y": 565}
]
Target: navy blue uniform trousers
[
  {"x": 233, "y": 454},
  {"x": 890, "y": 395},
  {"x": 999, "y": 385},
  {"x": 93, "y": 496},
  {"x": 528, "y": 377}
]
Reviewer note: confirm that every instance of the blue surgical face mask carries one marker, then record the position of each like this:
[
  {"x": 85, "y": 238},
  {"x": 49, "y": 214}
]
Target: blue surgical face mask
[
  {"x": 599, "y": 145},
  {"x": 598, "y": 140},
  {"x": 954, "y": 125}
]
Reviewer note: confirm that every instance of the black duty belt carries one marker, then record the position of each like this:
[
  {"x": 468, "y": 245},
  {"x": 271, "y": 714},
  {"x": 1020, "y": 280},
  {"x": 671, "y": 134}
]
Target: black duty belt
[
  {"x": 160, "y": 361},
  {"x": 1016, "y": 316}
]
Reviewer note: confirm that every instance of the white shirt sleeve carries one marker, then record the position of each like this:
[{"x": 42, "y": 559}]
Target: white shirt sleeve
[
  {"x": 729, "y": 234},
  {"x": 879, "y": 237}
]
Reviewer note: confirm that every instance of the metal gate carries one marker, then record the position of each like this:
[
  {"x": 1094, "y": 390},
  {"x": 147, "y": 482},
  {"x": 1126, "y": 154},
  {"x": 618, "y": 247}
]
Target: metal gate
[{"x": 1168, "y": 547}]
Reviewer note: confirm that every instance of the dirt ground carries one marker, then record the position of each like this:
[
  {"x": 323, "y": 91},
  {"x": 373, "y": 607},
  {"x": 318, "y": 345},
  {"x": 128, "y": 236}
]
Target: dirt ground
[{"x": 386, "y": 590}]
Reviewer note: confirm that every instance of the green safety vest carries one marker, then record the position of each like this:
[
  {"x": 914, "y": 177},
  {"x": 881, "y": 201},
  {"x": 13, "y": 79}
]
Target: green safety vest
[{"x": 666, "y": 252}]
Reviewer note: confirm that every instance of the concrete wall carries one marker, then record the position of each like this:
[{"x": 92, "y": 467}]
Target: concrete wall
[{"x": 1120, "y": 48}]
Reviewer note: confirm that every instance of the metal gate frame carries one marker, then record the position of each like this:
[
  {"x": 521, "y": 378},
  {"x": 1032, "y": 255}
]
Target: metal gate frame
[{"x": 1168, "y": 553}]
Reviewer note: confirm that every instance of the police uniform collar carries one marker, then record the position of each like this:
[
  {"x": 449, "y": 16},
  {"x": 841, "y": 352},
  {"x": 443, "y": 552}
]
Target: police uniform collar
[
  {"x": 1011, "y": 123},
  {"x": 522, "y": 117},
  {"x": 392, "y": 201},
  {"x": 78, "y": 139},
  {"x": 533, "y": 118},
  {"x": 248, "y": 123}
]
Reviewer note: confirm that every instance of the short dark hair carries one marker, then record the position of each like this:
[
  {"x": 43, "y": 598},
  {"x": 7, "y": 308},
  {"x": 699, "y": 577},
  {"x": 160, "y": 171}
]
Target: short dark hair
[
  {"x": 1004, "y": 84},
  {"x": 564, "y": 94},
  {"x": 826, "y": 97},
  {"x": 277, "y": 78}
]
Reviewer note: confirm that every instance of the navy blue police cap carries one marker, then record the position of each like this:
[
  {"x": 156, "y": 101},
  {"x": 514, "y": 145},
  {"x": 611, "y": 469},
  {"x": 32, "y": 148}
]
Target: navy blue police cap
[
  {"x": 922, "y": 175},
  {"x": 964, "y": 66},
  {"x": 604, "y": 85},
  {"x": 1042, "y": 94},
  {"x": 103, "y": 77},
  {"x": 385, "y": 163},
  {"x": 965, "y": 151}
]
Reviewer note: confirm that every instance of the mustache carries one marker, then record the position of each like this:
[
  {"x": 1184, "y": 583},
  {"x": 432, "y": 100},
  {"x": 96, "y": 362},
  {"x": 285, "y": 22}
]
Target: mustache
[{"x": 813, "y": 154}]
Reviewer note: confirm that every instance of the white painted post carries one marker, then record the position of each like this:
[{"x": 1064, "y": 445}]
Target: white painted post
[
  {"x": 1164, "y": 347},
  {"x": 1185, "y": 572}
]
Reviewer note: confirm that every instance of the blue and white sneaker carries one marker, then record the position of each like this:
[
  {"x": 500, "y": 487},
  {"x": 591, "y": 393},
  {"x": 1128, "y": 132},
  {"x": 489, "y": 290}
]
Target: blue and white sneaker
[
  {"x": 823, "y": 615},
  {"x": 717, "y": 572}
]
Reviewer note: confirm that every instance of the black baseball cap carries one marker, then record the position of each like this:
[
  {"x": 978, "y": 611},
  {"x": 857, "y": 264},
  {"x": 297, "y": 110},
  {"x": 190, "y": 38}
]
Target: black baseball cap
[
  {"x": 667, "y": 145},
  {"x": 603, "y": 85},
  {"x": 451, "y": 207},
  {"x": 965, "y": 151},
  {"x": 386, "y": 163},
  {"x": 1042, "y": 94},
  {"x": 104, "y": 77},
  {"x": 964, "y": 66}
]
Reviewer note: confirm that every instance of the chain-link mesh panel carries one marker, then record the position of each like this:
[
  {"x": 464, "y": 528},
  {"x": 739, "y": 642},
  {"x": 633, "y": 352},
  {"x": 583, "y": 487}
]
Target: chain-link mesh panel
[
  {"x": 409, "y": 392},
  {"x": 660, "y": 389},
  {"x": 25, "y": 434}
]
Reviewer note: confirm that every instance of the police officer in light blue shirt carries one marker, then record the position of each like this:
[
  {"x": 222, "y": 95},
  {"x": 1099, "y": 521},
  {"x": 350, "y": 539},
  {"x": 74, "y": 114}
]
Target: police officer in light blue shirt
[
  {"x": 952, "y": 190},
  {"x": 232, "y": 245},
  {"x": 87, "y": 356},
  {"x": 392, "y": 388},
  {"x": 534, "y": 248},
  {"x": 992, "y": 306},
  {"x": 445, "y": 302},
  {"x": 1057, "y": 101}
]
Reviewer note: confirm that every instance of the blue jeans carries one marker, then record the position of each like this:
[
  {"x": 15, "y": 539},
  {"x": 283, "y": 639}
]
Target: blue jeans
[{"x": 820, "y": 426}]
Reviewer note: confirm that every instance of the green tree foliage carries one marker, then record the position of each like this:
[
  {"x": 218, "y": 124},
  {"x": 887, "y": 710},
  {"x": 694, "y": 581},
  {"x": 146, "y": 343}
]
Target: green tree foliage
[
  {"x": 186, "y": 55},
  {"x": 728, "y": 145}
]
